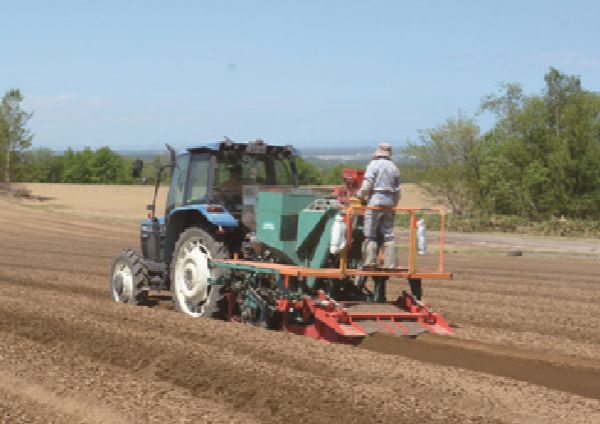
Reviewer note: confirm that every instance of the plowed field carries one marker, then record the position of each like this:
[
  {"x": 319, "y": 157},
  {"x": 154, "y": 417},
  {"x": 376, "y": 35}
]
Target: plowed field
[{"x": 527, "y": 350}]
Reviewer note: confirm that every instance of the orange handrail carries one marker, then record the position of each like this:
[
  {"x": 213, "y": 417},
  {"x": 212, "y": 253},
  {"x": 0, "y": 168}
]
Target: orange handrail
[{"x": 355, "y": 210}]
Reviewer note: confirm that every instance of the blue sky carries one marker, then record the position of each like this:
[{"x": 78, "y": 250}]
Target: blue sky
[{"x": 132, "y": 75}]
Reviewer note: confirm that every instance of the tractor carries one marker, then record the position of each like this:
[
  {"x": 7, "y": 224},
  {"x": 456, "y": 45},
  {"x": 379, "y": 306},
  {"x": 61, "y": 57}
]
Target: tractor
[{"x": 240, "y": 241}]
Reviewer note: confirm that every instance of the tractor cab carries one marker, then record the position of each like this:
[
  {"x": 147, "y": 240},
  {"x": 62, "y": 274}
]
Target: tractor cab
[
  {"x": 215, "y": 186},
  {"x": 227, "y": 175}
]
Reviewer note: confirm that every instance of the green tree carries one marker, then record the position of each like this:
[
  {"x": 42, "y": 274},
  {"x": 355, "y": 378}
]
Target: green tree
[
  {"x": 152, "y": 167},
  {"x": 545, "y": 149},
  {"x": 107, "y": 167},
  {"x": 511, "y": 176},
  {"x": 308, "y": 174},
  {"x": 14, "y": 134},
  {"x": 78, "y": 166},
  {"x": 40, "y": 165},
  {"x": 449, "y": 160},
  {"x": 102, "y": 166}
]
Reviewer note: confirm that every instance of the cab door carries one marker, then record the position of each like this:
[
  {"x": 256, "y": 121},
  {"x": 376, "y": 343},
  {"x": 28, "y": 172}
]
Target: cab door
[{"x": 178, "y": 184}]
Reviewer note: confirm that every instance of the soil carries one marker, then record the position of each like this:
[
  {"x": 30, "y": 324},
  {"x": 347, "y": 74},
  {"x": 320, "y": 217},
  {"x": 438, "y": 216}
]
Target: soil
[
  {"x": 537, "y": 246},
  {"x": 99, "y": 200},
  {"x": 527, "y": 349}
]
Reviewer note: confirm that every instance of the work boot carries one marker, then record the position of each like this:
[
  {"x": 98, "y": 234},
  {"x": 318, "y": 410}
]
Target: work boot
[
  {"x": 379, "y": 284},
  {"x": 416, "y": 288},
  {"x": 389, "y": 255},
  {"x": 370, "y": 254}
]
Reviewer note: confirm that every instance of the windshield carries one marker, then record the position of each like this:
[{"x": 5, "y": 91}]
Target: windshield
[
  {"x": 231, "y": 173},
  {"x": 239, "y": 176},
  {"x": 253, "y": 170}
]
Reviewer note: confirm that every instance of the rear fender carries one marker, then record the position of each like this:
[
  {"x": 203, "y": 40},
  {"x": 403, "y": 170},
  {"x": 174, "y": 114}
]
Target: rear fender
[{"x": 193, "y": 216}]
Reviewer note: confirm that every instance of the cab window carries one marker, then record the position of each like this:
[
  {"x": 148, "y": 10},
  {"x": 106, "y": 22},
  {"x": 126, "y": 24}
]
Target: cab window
[
  {"x": 198, "y": 178},
  {"x": 177, "y": 188},
  {"x": 283, "y": 171}
]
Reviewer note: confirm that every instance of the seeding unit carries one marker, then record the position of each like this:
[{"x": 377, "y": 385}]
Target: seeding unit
[{"x": 322, "y": 314}]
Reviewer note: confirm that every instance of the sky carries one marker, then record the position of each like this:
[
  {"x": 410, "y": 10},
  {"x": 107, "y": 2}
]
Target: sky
[{"x": 134, "y": 75}]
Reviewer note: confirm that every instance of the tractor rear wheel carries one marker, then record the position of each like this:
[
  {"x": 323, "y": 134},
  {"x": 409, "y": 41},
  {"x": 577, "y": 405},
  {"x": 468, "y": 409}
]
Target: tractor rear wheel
[
  {"x": 190, "y": 273},
  {"x": 129, "y": 279}
]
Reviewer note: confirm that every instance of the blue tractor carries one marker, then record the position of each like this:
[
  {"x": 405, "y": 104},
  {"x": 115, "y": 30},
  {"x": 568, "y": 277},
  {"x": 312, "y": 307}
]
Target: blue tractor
[
  {"x": 209, "y": 215},
  {"x": 240, "y": 241}
]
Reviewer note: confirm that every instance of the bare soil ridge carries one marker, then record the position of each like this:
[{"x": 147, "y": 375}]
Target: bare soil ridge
[
  {"x": 567, "y": 374},
  {"x": 68, "y": 346}
]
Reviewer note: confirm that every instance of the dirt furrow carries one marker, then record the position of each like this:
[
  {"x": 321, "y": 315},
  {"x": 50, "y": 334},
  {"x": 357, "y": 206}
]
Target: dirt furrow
[
  {"x": 528, "y": 340},
  {"x": 52, "y": 285},
  {"x": 580, "y": 377},
  {"x": 55, "y": 408},
  {"x": 247, "y": 384},
  {"x": 526, "y": 352},
  {"x": 127, "y": 394}
]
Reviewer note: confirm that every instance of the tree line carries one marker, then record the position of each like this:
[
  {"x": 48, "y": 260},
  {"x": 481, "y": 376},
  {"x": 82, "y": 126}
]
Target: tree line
[
  {"x": 539, "y": 160},
  {"x": 104, "y": 166},
  {"x": 101, "y": 166}
]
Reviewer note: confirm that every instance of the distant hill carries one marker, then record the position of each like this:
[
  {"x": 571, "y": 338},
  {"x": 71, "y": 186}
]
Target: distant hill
[{"x": 328, "y": 157}]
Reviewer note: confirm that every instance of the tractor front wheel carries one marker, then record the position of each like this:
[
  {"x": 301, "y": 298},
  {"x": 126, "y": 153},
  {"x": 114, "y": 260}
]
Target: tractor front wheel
[
  {"x": 129, "y": 279},
  {"x": 190, "y": 274}
]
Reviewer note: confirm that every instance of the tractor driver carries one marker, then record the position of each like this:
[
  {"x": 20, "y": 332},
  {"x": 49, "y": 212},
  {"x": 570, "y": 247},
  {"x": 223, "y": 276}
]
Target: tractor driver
[
  {"x": 380, "y": 188},
  {"x": 230, "y": 190}
]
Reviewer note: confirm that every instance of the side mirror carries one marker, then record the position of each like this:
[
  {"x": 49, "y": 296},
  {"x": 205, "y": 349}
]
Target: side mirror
[{"x": 136, "y": 168}]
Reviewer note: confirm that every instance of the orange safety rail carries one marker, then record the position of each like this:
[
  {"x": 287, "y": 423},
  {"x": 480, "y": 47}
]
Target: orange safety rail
[
  {"x": 336, "y": 273},
  {"x": 411, "y": 270},
  {"x": 408, "y": 272}
]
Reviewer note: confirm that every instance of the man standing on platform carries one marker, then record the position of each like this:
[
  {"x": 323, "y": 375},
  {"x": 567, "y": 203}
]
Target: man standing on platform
[{"x": 381, "y": 189}]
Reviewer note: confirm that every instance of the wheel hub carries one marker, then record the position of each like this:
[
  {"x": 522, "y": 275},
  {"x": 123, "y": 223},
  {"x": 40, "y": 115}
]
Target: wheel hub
[
  {"x": 118, "y": 284},
  {"x": 188, "y": 277}
]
